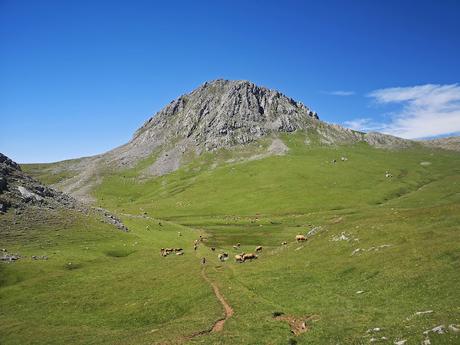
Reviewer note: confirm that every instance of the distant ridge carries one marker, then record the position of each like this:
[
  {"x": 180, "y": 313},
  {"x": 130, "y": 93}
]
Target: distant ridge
[{"x": 448, "y": 143}]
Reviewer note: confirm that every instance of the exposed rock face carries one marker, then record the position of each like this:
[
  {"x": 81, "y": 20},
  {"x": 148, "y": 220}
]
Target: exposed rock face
[
  {"x": 450, "y": 143},
  {"x": 21, "y": 192},
  {"x": 386, "y": 141},
  {"x": 218, "y": 114},
  {"x": 227, "y": 113},
  {"x": 18, "y": 190}
]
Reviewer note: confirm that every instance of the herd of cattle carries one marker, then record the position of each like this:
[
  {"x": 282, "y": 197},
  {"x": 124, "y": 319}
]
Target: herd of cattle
[{"x": 240, "y": 258}]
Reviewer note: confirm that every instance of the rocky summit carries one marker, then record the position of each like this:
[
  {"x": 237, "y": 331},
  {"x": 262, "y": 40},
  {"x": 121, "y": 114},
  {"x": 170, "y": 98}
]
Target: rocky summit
[
  {"x": 227, "y": 113},
  {"x": 218, "y": 114}
]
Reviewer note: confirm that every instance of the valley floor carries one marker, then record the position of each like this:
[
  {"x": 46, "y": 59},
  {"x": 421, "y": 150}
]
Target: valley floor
[{"x": 380, "y": 265}]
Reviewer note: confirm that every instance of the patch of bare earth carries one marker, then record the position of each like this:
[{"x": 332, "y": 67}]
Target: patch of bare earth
[{"x": 298, "y": 325}]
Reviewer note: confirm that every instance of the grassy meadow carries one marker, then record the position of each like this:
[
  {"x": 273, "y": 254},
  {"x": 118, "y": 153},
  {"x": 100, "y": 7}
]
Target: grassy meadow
[{"x": 394, "y": 240}]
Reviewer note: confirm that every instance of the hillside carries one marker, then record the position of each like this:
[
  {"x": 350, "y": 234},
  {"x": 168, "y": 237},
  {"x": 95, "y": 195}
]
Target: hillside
[
  {"x": 219, "y": 115},
  {"x": 449, "y": 143},
  {"x": 380, "y": 214}
]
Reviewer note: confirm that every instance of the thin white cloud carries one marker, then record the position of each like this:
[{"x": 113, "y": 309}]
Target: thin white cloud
[
  {"x": 425, "y": 111},
  {"x": 340, "y": 93},
  {"x": 362, "y": 124}
]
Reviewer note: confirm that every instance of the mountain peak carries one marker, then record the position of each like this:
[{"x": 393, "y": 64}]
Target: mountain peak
[
  {"x": 223, "y": 113},
  {"x": 218, "y": 114}
]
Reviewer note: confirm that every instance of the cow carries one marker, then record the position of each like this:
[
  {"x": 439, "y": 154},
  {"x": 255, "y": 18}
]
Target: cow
[
  {"x": 239, "y": 258},
  {"x": 178, "y": 249},
  {"x": 258, "y": 248},
  {"x": 249, "y": 256},
  {"x": 300, "y": 238},
  {"x": 180, "y": 253}
]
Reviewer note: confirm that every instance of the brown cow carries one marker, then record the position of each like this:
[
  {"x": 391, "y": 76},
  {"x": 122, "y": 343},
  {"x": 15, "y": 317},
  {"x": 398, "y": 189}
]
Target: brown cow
[
  {"x": 239, "y": 258},
  {"x": 300, "y": 238},
  {"x": 249, "y": 256}
]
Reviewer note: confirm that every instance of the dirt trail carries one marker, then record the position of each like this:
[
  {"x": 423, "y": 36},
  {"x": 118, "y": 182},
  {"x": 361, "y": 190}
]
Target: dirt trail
[{"x": 219, "y": 324}]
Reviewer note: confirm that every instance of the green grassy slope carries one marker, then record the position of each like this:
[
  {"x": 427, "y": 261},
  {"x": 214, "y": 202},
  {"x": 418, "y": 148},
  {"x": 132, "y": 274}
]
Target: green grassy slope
[
  {"x": 407, "y": 230},
  {"x": 100, "y": 285}
]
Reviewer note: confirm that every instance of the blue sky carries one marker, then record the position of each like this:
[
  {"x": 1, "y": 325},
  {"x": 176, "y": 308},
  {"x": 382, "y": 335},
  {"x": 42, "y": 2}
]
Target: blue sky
[{"x": 79, "y": 77}]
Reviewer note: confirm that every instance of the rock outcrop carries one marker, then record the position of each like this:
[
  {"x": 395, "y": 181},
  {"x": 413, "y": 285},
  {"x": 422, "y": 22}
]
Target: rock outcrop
[
  {"x": 18, "y": 190},
  {"x": 21, "y": 192},
  {"x": 449, "y": 143}
]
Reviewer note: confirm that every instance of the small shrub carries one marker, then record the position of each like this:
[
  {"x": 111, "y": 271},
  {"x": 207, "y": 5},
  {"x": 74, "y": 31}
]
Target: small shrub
[
  {"x": 119, "y": 253},
  {"x": 72, "y": 266}
]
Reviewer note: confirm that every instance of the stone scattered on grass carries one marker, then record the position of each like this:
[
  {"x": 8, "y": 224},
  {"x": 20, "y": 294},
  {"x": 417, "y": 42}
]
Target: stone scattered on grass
[
  {"x": 424, "y": 312},
  {"x": 342, "y": 237},
  {"x": 400, "y": 342},
  {"x": 359, "y": 292},
  {"x": 441, "y": 329},
  {"x": 10, "y": 257},
  {"x": 375, "y": 249},
  {"x": 357, "y": 251},
  {"x": 454, "y": 328},
  {"x": 314, "y": 231},
  {"x": 37, "y": 257},
  {"x": 375, "y": 329}
]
